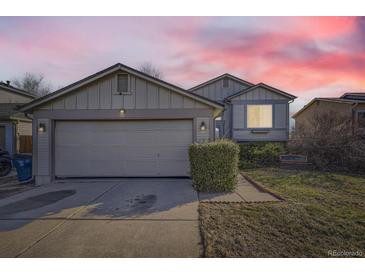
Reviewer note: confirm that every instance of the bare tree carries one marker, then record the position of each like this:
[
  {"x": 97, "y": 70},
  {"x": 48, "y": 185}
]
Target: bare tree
[
  {"x": 151, "y": 70},
  {"x": 329, "y": 142},
  {"x": 33, "y": 83}
]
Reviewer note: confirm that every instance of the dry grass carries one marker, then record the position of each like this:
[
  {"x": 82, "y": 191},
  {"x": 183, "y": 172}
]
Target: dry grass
[{"x": 323, "y": 212}]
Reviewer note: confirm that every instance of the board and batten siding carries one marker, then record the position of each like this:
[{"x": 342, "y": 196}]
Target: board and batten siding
[
  {"x": 260, "y": 95},
  {"x": 100, "y": 100},
  {"x": 216, "y": 91},
  {"x": 103, "y": 94}
]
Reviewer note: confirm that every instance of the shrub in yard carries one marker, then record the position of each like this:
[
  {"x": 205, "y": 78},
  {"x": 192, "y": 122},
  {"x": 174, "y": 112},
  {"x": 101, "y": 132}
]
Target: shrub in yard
[
  {"x": 260, "y": 154},
  {"x": 214, "y": 165},
  {"x": 267, "y": 154}
]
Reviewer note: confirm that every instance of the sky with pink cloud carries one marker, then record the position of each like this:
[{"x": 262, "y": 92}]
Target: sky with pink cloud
[{"x": 306, "y": 56}]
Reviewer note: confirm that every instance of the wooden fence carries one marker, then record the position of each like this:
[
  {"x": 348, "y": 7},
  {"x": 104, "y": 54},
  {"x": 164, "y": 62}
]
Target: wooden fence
[{"x": 25, "y": 144}]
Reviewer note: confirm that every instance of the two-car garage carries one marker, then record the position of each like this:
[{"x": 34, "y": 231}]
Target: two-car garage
[
  {"x": 117, "y": 123},
  {"x": 122, "y": 148}
]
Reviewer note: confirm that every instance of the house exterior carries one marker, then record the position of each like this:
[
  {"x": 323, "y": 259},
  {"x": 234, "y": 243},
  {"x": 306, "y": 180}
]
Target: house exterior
[
  {"x": 15, "y": 127},
  {"x": 252, "y": 112},
  {"x": 118, "y": 122},
  {"x": 349, "y": 105}
]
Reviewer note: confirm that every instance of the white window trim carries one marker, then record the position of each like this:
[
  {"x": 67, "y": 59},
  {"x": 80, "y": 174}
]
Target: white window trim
[
  {"x": 129, "y": 92},
  {"x": 260, "y": 128}
]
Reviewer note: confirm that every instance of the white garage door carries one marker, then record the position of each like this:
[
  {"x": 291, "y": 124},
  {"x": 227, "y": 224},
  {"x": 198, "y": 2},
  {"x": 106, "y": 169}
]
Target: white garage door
[{"x": 122, "y": 148}]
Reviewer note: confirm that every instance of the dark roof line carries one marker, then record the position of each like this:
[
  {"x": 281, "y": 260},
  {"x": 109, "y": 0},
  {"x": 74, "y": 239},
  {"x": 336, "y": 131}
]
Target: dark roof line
[{"x": 219, "y": 77}]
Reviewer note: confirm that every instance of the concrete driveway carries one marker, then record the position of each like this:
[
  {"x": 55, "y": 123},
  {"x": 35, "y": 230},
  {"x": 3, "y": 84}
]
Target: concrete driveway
[{"x": 124, "y": 218}]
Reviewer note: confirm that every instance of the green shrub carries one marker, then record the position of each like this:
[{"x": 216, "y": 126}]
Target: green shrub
[
  {"x": 214, "y": 165},
  {"x": 260, "y": 154}
]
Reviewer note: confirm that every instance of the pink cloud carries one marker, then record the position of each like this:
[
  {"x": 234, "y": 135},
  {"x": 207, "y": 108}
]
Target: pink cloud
[{"x": 297, "y": 54}]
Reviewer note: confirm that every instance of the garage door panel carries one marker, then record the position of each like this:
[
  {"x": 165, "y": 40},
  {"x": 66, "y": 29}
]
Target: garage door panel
[
  {"x": 174, "y": 153},
  {"x": 122, "y": 148},
  {"x": 71, "y": 168},
  {"x": 141, "y": 168},
  {"x": 171, "y": 169},
  {"x": 66, "y": 138}
]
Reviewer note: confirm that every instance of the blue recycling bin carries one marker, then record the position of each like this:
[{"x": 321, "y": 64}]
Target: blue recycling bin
[{"x": 23, "y": 165}]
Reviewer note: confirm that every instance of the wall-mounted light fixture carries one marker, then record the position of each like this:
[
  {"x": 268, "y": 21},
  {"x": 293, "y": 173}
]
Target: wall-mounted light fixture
[
  {"x": 203, "y": 127},
  {"x": 42, "y": 127},
  {"x": 122, "y": 112}
]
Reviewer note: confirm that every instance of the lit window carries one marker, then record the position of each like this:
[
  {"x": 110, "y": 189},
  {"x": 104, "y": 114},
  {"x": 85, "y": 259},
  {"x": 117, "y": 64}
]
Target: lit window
[
  {"x": 361, "y": 119},
  {"x": 259, "y": 116},
  {"x": 123, "y": 83},
  {"x": 225, "y": 82}
]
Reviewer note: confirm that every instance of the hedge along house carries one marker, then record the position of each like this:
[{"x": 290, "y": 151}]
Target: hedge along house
[
  {"x": 252, "y": 112},
  {"x": 15, "y": 128},
  {"x": 118, "y": 122}
]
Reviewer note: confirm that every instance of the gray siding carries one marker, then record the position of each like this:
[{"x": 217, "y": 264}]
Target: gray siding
[
  {"x": 281, "y": 115},
  {"x": 248, "y": 136},
  {"x": 260, "y": 95},
  {"x": 216, "y": 91},
  {"x": 43, "y": 149},
  {"x": 102, "y": 94},
  {"x": 202, "y": 136}
]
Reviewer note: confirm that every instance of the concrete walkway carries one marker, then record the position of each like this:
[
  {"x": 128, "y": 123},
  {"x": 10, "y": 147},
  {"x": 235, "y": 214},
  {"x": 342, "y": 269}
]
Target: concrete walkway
[
  {"x": 245, "y": 192},
  {"x": 124, "y": 218}
]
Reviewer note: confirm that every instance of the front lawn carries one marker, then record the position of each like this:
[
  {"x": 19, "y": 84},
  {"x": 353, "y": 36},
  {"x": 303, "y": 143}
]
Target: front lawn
[{"x": 323, "y": 212}]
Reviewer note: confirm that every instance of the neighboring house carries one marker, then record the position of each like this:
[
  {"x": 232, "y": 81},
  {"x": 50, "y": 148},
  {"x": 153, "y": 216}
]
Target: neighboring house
[
  {"x": 349, "y": 105},
  {"x": 15, "y": 128},
  {"x": 118, "y": 122},
  {"x": 251, "y": 112}
]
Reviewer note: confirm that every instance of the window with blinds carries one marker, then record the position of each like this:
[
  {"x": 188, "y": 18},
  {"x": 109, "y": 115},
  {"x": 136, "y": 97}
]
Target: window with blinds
[{"x": 259, "y": 116}]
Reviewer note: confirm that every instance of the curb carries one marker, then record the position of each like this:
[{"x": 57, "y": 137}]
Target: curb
[
  {"x": 261, "y": 187},
  {"x": 242, "y": 202}
]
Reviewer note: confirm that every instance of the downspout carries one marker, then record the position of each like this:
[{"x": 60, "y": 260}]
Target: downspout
[
  {"x": 289, "y": 129},
  {"x": 230, "y": 120}
]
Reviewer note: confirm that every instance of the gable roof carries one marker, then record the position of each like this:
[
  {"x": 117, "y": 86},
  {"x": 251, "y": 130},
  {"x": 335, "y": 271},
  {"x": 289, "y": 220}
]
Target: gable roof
[
  {"x": 328, "y": 99},
  {"x": 18, "y": 91},
  {"x": 109, "y": 71},
  {"x": 283, "y": 93},
  {"x": 219, "y": 78}
]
